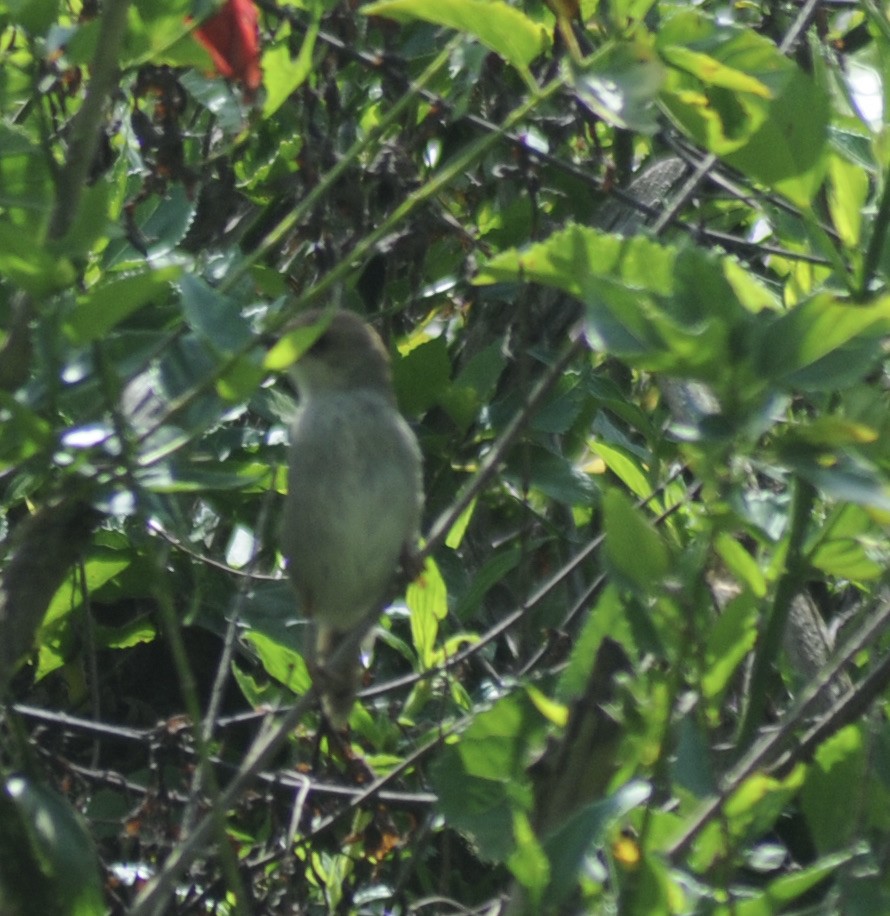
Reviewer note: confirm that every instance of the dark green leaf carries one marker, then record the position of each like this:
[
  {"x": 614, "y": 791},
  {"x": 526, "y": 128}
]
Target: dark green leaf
[{"x": 105, "y": 306}]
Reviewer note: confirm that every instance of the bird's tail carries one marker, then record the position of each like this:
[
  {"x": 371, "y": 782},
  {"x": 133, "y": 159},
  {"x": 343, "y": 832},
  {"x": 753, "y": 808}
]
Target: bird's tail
[{"x": 336, "y": 672}]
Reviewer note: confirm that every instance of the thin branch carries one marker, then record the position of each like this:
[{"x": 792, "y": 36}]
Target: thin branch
[
  {"x": 767, "y": 748},
  {"x": 86, "y": 124}
]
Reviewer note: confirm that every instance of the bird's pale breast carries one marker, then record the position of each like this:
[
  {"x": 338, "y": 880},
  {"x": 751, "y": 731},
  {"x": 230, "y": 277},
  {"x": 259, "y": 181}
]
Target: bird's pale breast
[{"x": 353, "y": 503}]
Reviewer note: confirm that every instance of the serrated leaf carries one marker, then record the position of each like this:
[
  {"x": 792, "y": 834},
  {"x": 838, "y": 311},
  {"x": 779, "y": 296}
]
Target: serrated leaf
[
  {"x": 213, "y": 315},
  {"x": 663, "y": 308},
  {"x": 105, "y": 306}
]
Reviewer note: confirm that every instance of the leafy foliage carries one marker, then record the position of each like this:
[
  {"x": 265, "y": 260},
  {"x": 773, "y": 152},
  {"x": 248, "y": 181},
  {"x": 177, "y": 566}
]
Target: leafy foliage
[{"x": 631, "y": 262}]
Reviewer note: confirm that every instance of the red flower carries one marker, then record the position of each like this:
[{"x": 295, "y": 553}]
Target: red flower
[{"x": 232, "y": 38}]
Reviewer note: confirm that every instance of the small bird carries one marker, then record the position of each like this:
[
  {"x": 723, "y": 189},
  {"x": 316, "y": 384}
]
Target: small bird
[{"x": 355, "y": 494}]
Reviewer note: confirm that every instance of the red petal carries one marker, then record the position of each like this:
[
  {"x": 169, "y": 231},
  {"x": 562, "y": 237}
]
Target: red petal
[{"x": 232, "y": 38}]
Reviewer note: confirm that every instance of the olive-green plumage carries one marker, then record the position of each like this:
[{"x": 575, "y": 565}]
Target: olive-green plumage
[{"x": 354, "y": 493}]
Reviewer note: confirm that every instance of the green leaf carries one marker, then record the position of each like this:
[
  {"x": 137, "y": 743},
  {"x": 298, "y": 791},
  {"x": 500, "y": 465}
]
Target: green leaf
[
  {"x": 721, "y": 80},
  {"x": 459, "y": 528},
  {"x": 35, "y": 16},
  {"x": 585, "y": 831},
  {"x": 633, "y": 547},
  {"x": 787, "y": 152},
  {"x": 691, "y": 767},
  {"x": 850, "y": 545},
  {"x": 49, "y": 860},
  {"x": 90, "y": 225},
  {"x": 551, "y": 474},
  {"x": 22, "y": 432},
  {"x": 205, "y": 476},
  {"x": 282, "y": 75},
  {"x": 796, "y": 341},
  {"x": 620, "y": 84},
  {"x": 737, "y": 95},
  {"x": 281, "y": 661},
  {"x": 480, "y": 778},
  {"x": 608, "y": 617},
  {"x": 783, "y": 891},
  {"x": 575, "y": 258},
  {"x": 848, "y": 188},
  {"x": 833, "y": 788},
  {"x": 162, "y": 222},
  {"x": 291, "y": 346},
  {"x": 846, "y": 480},
  {"x": 214, "y": 316},
  {"x": 421, "y": 376},
  {"x": 427, "y": 598},
  {"x": 242, "y": 379},
  {"x": 26, "y": 190},
  {"x": 730, "y": 638},
  {"x": 626, "y": 466},
  {"x": 528, "y": 862},
  {"x": 58, "y": 629},
  {"x": 741, "y": 564},
  {"x": 135, "y": 633},
  {"x": 828, "y": 432},
  {"x": 156, "y": 28},
  {"x": 714, "y": 72},
  {"x": 662, "y": 308},
  {"x": 27, "y": 263},
  {"x": 108, "y": 304},
  {"x": 749, "y": 812},
  {"x": 489, "y": 574},
  {"x": 502, "y": 28}
]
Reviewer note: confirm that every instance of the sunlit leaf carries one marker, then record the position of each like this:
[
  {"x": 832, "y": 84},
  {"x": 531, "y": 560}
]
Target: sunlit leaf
[
  {"x": 634, "y": 548},
  {"x": 831, "y": 787},
  {"x": 427, "y": 599},
  {"x": 798, "y": 339},
  {"x": 503, "y": 28}
]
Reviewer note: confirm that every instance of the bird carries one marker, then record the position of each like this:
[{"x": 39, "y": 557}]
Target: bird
[{"x": 354, "y": 495}]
